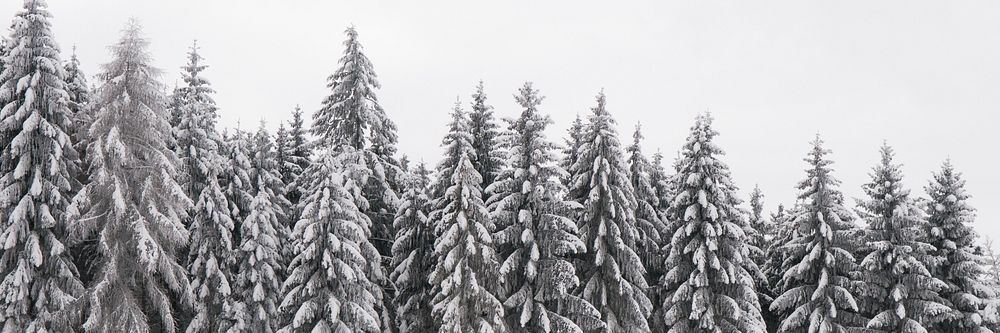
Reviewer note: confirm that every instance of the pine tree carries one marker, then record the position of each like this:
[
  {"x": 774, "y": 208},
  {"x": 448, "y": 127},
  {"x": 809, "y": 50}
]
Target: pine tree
[
  {"x": 211, "y": 255},
  {"x": 258, "y": 275},
  {"x": 237, "y": 183},
  {"x": 759, "y": 223},
  {"x": 487, "y": 158},
  {"x": 454, "y": 143},
  {"x": 297, "y": 151},
  {"x": 817, "y": 295},
  {"x": 79, "y": 102},
  {"x": 352, "y": 116},
  {"x": 961, "y": 267},
  {"x": 613, "y": 276},
  {"x": 571, "y": 149},
  {"x": 196, "y": 135},
  {"x": 133, "y": 204},
  {"x": 537, "y": 275},
  {"x": 897, "y": 287},
  {"x": 413, "y": 260},
  {"x": 660, "y": 181},
  {"x": 332, "y": 284},
  {"x": 648, "y": 222},
  {"x": 466, "y": 262},
  {"x": 37, "y": 175},
  {"x": 710, "y": 282}
]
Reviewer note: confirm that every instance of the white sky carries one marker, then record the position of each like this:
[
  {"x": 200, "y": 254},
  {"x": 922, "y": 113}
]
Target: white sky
[{"x": 921, "y": 74}]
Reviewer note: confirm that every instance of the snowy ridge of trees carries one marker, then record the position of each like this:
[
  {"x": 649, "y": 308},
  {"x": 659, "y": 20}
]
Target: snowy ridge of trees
[{"x": 126, "y": 209}]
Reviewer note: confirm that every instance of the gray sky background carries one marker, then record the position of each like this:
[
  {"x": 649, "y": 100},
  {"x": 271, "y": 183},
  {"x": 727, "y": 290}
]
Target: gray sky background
[{"x": 923, "y": 75}]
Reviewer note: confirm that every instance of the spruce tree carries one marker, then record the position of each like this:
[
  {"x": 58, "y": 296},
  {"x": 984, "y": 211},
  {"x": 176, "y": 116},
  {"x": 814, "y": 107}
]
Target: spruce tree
[
  {"x": 711, "y": 279},
  {"x": 571, "y": 149},
  {"x": 466, "y": 263},
  {"x": 79, "y": 101},
  {"x": 537, "y": 275},
  {"x": 897, "y": 287},
  {"x": 648, "y": 222},
  {"x": 660, "y": 181},
  {"x": 196, "y": 134},
  {"x": 613, "y": 277},
  {"x": 454, "y": 143},
  {"x": 211, "y": 251},
  {"x": 333, "y": 281},
  {"x": 259, "y": 267},
  {"x": 487, "y": 158},
  {"x": 818, "y": 285},
  {"x": 759, "y": 223},
  {"x": 297, "y": 151},
  {"x": 237, "y": 183},
  {"x": 37, "y": 174},
  {"x": 413, "y": 256},
  {"x": 351, "y": 116},
  {"x": 133, "y": 203},
  {"x": 954, "y": 240}
]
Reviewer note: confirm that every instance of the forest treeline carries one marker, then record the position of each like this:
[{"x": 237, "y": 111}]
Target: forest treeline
[{"x": 125, "y": 208}]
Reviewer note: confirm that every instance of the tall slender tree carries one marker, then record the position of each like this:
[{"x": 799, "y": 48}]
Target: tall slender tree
[
  {"x": 537, "y": 275},
  {"x": 898, "y": 287},
  {"x": 487, "y": 158},
  {"x": 710, "y": 282},
  {"x": 648, "y": 222},
  {"x": 259, "y": 268},
  {"x": 133, "y": 203},
  {"x": 297, "y": 150},
  {"x": 37, "y": 176},
  {"x": 466, "y": 262},
  {"x": 211, "y": 255},
  {"x": 80, "y": 97},
  {"x": 351, "y": 116},
  {"x": 818, "y": 285},
  {"x": 454, "y": 143},
  {"x": 571, "y": 149},
  {"x": 614, "y": 279},
  {"x": 413, "y": 256},
  {"x": 236, "y": 181},
  {"x": 195, "y": 132},
  {"x": 954, "y": 240},
  {"x": 332, "y": 284}
]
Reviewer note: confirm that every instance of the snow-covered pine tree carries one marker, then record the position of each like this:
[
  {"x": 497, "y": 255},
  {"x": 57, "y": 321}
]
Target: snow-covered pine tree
[
  {"x": 898, "y": 288},
  {"x": 38, "y": 166},
  {"x": 133, "y": 203},
  {"x": 259, "y": 267},
  {"x": 660, "y": 181},
  {"x": 662, "y": 194},
  {"x": 298, "y": 152},
  {"x": 613, "y": 277},
  {"x": 332, "y": 284},
  {"x": 79, "y": 100},
  {"x": 352, "y": 116},
  {"x": 709, "y": 286},
  {"x": 571, "y": 148},
  {"x": 537, "y": 276},
  {"x": 197, "y": 137},
  {"x": 648, "y": 222},
  {"x": 466, "y": 263},
  {"x": 211, "y": 251},
  {"x": 413, "y": 256},
  {"x": 962, "y": 269},
  {"x": 488, "y": 158},
  {"x": 759, "y": 223},
  {"x": 818, "y": 285},
  {"x": 236, "y": 181},
  {"x": 454, "y": 148}
]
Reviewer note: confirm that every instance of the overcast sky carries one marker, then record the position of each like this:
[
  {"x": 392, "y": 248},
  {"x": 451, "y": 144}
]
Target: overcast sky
[{"x": 922, "y": 75}]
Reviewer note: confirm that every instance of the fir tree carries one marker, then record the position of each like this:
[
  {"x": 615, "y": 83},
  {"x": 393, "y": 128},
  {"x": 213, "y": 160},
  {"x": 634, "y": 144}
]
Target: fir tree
[
  {"x": 259, "y": 268},
  {"x": 466, "y": 262},
  {"x": 37, "y": 175},
  {"x": 133, "y": 204},
  {"x": 817, "y": 286},
  {"x": 211, "y": 254},
  {"x": 297, "y": 151},
  {"x": 332, "y": 283},
  {"x": 961, "y": 267},
  {"x": 537, "y": 276},
  {"x": 759, "y": 223},
  {"x": 613, "y": 277},
  {"x": 710, "y": 282},
  {"x": 487, "y": 158},
  {"x": 571, "y": 149},
  {"x": 196, "y": 135},
  {"x": 660, "y": 181},
  {"x": 648, "y": 222},
  {"x": 898, "y": 287},
  {"x": 79, "y": 102},
  {"x": 455, "y": 142},
  {"x": 351, "y": 116},
  {"x": 413, "y": 256},
  {"x": 237, "y": 183}
]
